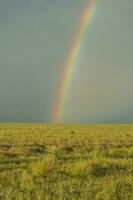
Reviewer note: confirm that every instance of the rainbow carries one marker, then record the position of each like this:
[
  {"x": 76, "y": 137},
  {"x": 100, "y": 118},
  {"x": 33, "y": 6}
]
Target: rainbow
[{"x": 71, "y": 61}]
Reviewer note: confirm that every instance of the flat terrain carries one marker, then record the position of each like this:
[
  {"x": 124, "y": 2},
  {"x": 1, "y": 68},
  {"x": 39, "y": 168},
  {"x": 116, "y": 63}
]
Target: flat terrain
[{"x": 66, "y": 162}]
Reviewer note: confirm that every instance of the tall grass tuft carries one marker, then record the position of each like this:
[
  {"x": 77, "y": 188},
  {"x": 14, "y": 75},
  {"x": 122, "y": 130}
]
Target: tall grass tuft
[
  {"x": 79, "y": 169},
  {"x": 43, "y": 166}
]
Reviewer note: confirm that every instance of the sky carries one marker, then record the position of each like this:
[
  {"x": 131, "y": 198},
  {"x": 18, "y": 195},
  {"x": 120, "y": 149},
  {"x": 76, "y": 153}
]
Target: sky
[{"x": 35, "y": 36}]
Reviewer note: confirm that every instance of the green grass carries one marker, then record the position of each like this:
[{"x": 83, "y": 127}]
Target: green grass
[{"x": 66, "y": 162}]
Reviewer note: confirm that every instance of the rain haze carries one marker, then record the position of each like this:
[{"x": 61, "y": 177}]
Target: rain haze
[{"x": 35, "y": 36}]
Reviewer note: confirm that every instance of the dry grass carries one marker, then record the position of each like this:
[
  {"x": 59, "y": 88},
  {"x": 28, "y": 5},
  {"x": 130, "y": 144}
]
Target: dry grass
[
  {"x": 44, "y": 166},
  {"x": 77, "y": 162},
  {"x": 79, "y": 169}
]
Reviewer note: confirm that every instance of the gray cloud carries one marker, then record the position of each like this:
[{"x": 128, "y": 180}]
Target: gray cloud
[{"x": 34, "y": 40}]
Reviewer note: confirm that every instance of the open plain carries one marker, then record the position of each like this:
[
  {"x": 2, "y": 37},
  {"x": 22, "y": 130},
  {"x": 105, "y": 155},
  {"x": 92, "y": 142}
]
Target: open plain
[{"x": 66, "y": 162}]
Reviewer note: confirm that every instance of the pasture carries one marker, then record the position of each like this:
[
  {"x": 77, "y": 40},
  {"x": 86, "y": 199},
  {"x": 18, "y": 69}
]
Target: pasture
[{"x": 66, "y": 162}]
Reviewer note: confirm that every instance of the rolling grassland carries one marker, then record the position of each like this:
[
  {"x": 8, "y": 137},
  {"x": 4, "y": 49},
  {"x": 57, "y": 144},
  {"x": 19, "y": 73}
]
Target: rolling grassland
[{"x": 66, "y": 162}]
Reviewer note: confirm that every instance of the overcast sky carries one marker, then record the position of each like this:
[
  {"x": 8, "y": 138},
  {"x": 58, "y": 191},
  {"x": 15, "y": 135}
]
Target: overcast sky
[{"x": 34, "y": 40}]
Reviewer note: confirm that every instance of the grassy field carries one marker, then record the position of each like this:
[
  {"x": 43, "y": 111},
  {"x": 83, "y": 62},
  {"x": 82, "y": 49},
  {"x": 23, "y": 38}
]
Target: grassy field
[{"x": 66, "y": 162}]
